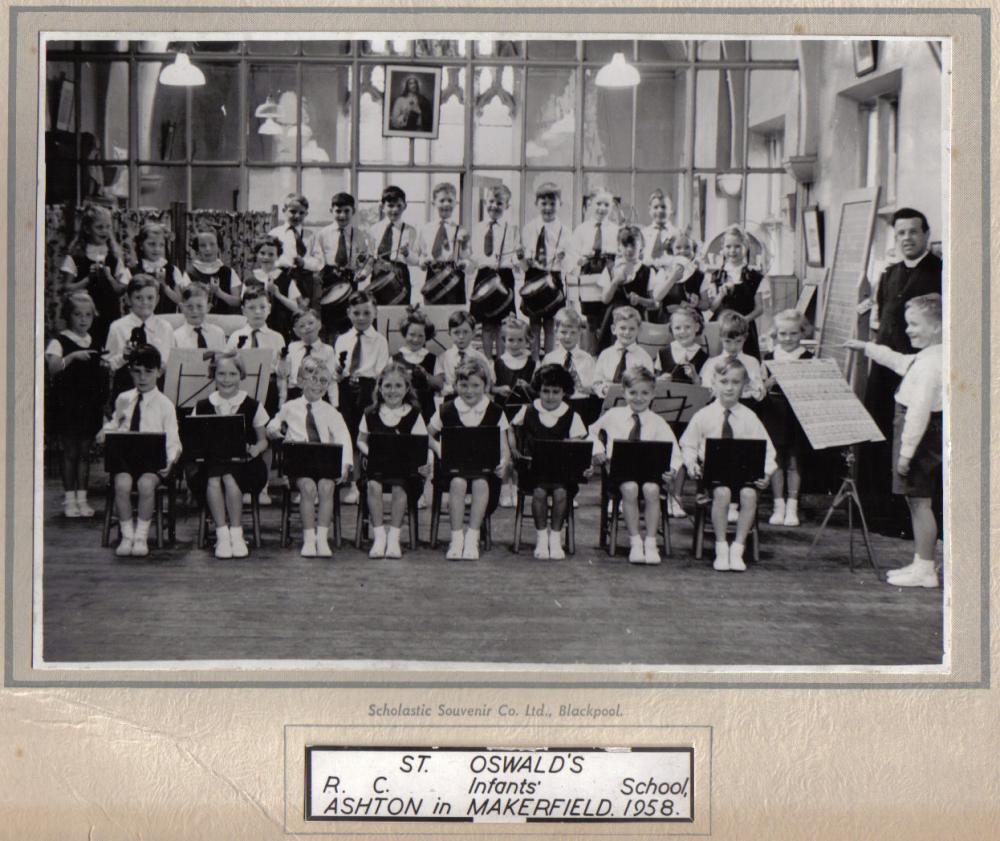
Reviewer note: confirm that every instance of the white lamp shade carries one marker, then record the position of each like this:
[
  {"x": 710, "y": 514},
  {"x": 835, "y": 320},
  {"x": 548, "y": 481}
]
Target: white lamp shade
[
  {"x": 268, "y": 108},
  {"x": 617, "y": 74},
  {"x": 182, "y": 73},
  {"x": 269, "y": 126}
]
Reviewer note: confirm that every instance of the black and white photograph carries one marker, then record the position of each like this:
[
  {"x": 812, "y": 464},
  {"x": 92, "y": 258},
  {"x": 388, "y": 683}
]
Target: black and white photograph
[{"x": 481, "y": 354}]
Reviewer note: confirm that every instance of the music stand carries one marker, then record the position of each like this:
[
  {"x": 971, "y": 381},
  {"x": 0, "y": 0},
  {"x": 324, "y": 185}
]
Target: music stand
[
  {"x": 214, "y": 437},
  {"x": 676, "y": 403},
  {"x": 470, "y": 450},
  {"x": 315, "y": 461},
  {"x": 848, "y": 492},
  {"x": 561, "y": 462},
  {"x": 734, "y": 462},
  {"x": 135, "y": 453},
  {"x": 392, "y": 456},
  {"x": 639, "y": 461}
]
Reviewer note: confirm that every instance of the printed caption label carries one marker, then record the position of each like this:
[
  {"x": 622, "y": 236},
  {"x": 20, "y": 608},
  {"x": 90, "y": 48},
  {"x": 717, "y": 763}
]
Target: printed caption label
[{"x": 495, "y": 785}]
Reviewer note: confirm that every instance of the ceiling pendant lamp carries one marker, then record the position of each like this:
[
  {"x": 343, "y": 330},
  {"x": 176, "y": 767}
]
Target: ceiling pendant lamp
[
  {"x": 182, "y": 73},
  {"x": 268, "y": 108},
  {"x": 618, "y": 73},
  {"x": 269, "y": 126}
]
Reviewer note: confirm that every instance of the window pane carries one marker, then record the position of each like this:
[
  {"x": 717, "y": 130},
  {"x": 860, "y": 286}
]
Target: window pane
[
  {"x": 319, "y": 186},
  {"x": 107, "y": 46},
  {"x": 777, "y": 49},
  {"x": 215, "y": 115},
  {"x": 326, "y": 47},
  {"x": 774, "y": 106},
  {"x": 270, "y": 186},
  {"x": 394, "y": 47},
  {"x": 551, "y": 49},
  {"x": 416, "y": 185},
  {"x": 104, "y": 108},
  {"x": 449, "y": 148},
  {"x": 215, "y": 188},
  {"x": 770, "y": 199},
  {"x": 326, "y": 114},
  {"x": 60, "y": 99},
  {"x": 662, "y": 51},
  {"x": 160, "y": 46},
  {"x": 162, "y": 116},
  {"x": 499, "y": 49},
  {"x": 217, "y": 46},
  {"x": 719, "y": 118},
  {"x": 161, "y": 185},
  {"x": 496, "y": 132},
  {"x": 483, "y": 180},
  {"x": 708, "y": 50},
  {"x": 660, "y": 104},
  {"x": 619, "y": 184},
  {"x": 374, "y": 148},
  {"x": 672, "y": 184},
  {"x": 273, "y": 47},
  {"x": 607, "y": 124},
  {"x": 440, "y": 49},
  {"x": 604, "y": 50},
  {"x": 550, "y": 117},
  {"x": 271, "y": 90},
  {"x": 568, "y": 214}
]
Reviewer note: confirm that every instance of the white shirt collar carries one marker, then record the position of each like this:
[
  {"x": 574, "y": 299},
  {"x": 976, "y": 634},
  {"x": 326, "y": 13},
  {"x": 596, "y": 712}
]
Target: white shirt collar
[
  {"x": 931, "y": 350},
  {"x": 511, "y": 361},
  {"x": 208, "y": 268},
  {"x": 153, "y": 265},
  {"x": 413, "y": 356},
  {"x": 260, "y": 273},
  {"x": 911, "y": 263},
  {"x": 82, "y": 341},
  {"x": 735, "y": 272},
  {"x": 687, "y": 353},
  {"x": 230, "y": 405},
  {"x": 96, "y": 252},
  {"x": 781, "y": 353},
  {"x": 477, "y": 408},
  {"x": 548, "y": 415},
  {"x": 619, "y": 347},
  {"x": 393, "y": 416}
]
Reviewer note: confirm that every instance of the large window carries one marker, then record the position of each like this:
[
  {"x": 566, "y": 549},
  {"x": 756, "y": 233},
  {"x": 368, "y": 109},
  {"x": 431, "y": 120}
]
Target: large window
[{"x": 282, "y": 116}]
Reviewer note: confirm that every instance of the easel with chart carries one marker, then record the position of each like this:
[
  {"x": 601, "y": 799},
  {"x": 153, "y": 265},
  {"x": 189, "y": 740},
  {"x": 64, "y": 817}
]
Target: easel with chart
[{"x": 831, "y": 415}]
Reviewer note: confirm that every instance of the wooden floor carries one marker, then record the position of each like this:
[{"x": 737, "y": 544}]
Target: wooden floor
[{"x": 795, "y": 608}]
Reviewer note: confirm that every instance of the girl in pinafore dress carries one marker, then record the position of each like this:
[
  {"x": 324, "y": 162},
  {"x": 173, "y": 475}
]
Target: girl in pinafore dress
[{"x": 737, "y": 287}]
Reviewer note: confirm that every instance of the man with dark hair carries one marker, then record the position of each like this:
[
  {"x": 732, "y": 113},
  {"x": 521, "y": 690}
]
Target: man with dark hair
[{"x": 917, "y": 273}]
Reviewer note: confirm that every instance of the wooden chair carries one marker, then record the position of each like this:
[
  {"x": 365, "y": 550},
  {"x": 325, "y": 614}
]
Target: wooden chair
[
  {"x": 438, "y": 487},
  {"x": 285, "y": 492},
  {"x": 608, "y": 530},
  {"x": 164, "y": 511},
  {"x": 203, "y": 521},
  {"x": 652, "y": 337},
  {"x": 569, "y": 528},
  {"x": 363, "y": 520},
  {"x": 703, "y": 519}
]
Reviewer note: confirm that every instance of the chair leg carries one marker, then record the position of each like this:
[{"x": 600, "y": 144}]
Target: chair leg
[
  {"x": 570, "y": 528},
  {"x": 286, "y": 504},
  {"x": 518, "y": 517},
  {"x": 603, "y": 531},
  {"x": 699, "y": 531},
  {"x": 361, "y": 520},
  {"x": 336, "y": 517},
  {"x": 665, "y": 527},
  {"x": 488, "y": 533},
  {"x": 172, "y": 512},
  {"x": 613, "y": 537},
  {"x": 202, "y": 527},
  {"x": 412, "y": 516},
  {"x": 435, "y": 517},
  {"x": 109, "y": 505},
  {"x": 158, "y": 500},
  {"x": 255, "y": 520}
]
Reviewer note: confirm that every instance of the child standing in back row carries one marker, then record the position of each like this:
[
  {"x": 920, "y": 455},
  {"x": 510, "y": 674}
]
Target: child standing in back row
[
  {"x": 917, "y": 432},
  {"x": 151, "y": 244},
  {"x": 224, "y": 284}
]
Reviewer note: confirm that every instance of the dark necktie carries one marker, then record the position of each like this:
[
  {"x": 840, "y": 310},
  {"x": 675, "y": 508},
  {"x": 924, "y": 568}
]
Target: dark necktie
[
  {"x": 488, "y": 241},
  {"x": 138, "y": 336},
  {"x": 201, "y": 338},
  {"x": 385, "y": 245},
  {"x": 341, "y": 258},
  {"x": 355, "y": 354},
  {"x": 241, "y": 342},
  {"x": 461, "y": 357},
  {"x": 300, "y": 243},
  {"x": 598, "y": 239},
  {"x": 253, "y": 339},
  {"x": 568, "y": 363},
  {"x": 440, "y": 241},
  {"x": 309, "y": 350},
  {"x": 727, "y": 429},
  {"x": 635, "y": 434},
  {"x": 657, "y": 251},
  {"x": 541, "y": 252},
  {"x": 312, "y": 431},
  {"x": 620, "y": 370},
  {"x": 136, "y": 415}
]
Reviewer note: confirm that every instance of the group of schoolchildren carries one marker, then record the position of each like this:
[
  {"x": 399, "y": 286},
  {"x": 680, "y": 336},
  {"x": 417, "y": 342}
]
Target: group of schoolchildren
[{"x": 609, "y": 280}]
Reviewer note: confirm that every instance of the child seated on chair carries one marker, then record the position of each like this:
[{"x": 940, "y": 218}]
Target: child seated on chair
[
  {"x": 311, "y": 419},
  {"x": 142, "y": 409},
  {"x": 395, "y": 410},
  {"x": 636, "y": 422},
  {"x": 625, "y": 353},
  {"x": 226, "y": 482},
  {"x": 546, "y": 419},
  {"x": 470, "y": 408},
  {"x": 512, "y": 373},
  {"x": 726, "y": 417}
]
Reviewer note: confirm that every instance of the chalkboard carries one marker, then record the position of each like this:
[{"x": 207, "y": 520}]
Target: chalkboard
[
  {"x": 831, "y": 415},
  {"x": 847, "y": 285}
]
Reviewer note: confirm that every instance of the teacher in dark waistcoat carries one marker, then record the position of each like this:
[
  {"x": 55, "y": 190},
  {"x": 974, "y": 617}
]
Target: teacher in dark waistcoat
[{"x": 918, "y": 273}]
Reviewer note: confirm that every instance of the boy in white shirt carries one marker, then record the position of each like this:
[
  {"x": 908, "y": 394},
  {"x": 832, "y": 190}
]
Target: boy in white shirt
[
  {"x": 139, "y": 327},
  {"x": 295, "y": 239},
  {"x": 311, "y": 419},
  {"x": 495, "y": 246},
  {"x": 306, "y": 325},
  {"x": 393, "y": 239},
  {"x": 614, "y": 361},
  {"x": 570, "y": 355},
  {"x": 443, "y": 241},
  {"x": 593, "y": 249},
  {"x": 195, "y": 333},
  {"x": 544, "y": 242},
  {"x": 635, "y": 422},
  {"x": 726, "y": 417},
  {"x": 733, "y": 332}
]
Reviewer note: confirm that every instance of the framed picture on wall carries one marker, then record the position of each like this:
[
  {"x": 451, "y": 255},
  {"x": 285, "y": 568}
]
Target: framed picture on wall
[
  {"x": 865, "y": 57},
  {"x": 812, "y": 223},
  {"x": 412, "y": 104}
]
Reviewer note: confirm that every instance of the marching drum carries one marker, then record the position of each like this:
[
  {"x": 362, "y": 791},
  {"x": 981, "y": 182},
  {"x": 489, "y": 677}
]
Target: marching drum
[
  {"x": 338, "y": 284},
  {"x": 390, "y": 284},
  {"x": 542, "y": 293},
  {"x": 443, "y": 284},
  {"x": 490, "y": 295}
]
